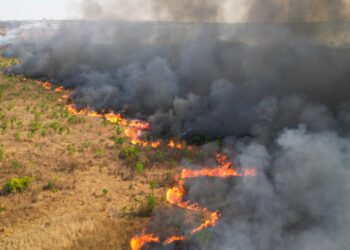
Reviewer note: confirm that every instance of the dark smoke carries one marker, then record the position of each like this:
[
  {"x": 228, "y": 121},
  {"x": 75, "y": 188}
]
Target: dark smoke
[{"x": 276, "y": 90}]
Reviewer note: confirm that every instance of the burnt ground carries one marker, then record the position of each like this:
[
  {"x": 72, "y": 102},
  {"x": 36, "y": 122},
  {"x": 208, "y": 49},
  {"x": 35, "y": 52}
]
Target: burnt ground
[{"x": 81, "y": 194}]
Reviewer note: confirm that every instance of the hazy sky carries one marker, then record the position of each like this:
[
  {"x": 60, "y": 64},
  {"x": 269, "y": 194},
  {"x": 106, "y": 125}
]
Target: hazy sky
[
  {"x": 69, "y": 9},
  {"x": 35, "y": 9}
]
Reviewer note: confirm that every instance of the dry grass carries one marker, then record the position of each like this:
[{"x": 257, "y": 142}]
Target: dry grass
[{"x": 78, "y": 198}]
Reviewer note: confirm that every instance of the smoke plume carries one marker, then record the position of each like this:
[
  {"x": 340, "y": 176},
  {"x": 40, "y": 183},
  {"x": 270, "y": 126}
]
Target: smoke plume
[{"x": 275, "y": 90}]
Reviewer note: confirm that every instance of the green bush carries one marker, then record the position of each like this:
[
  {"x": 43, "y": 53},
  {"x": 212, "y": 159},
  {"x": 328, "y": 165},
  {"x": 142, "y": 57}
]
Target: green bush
[
  {"x": 4, "y": 125},
  {"x": 118, "y": 140},
  {"x": 118, "y": 130},
  {"x": 51, "y": 185},
  {"x": 139, "y": 168},
  {"x": 153, "y": 185},
  {"x": 2, "y": 208},
  {"x": 1, "y": 152},
  {"x": 146, "y": 208},
  {"x": 16, "y": 165},
  {"x": 104, "y": 192},
  {"x": 130, "y": 154},
  {"x": 16, "y": 185},
  {"x": 71, "y": 149},
  {"x": 34, "y": 126},
  {"x": 17, "y": 136},
  {"x": 73, "y": 120}
]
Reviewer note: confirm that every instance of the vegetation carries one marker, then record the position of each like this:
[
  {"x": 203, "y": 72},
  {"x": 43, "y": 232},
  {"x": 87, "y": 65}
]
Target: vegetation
[
  {"x": 147, "y": 208},
  {"x": 16, "y": 185},
  {"x": 16, "y": 165},
  {"x": 7, "y": 62},
  {"x": 130, "y": 154},
  {"x": 139, "y": 168},
  {"x": 51, "y": 185},
  {"x": 2, "y": 209},
  {"x": 40, "y": 139},
  {"x": 71, "y": 149},
  {"x": 104, "y": 192},
  {"x": 1, "y": 152}
]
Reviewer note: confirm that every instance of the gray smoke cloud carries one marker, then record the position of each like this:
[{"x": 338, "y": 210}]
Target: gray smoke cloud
[
  {"x": 220, "y": 11},
  {"x": 277, "y": 93},
  {"x": 195, "y": 10},
  {"x": 299, "y": 11}
]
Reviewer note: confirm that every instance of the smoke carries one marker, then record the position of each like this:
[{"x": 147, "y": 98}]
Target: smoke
[
  {"x": 196, "y": 10},
  {"x": 276, "y": 93},
  {"x": 299, "y": 11},
  {"x": 303, "y": 201},
  {"x": 219, "y": 11}
]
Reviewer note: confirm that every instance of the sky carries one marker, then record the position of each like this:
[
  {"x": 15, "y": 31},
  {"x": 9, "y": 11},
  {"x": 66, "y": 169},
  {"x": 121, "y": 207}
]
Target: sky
[
  {"x": 71, "y": 9},
  {"x": 35, "y": 9}
]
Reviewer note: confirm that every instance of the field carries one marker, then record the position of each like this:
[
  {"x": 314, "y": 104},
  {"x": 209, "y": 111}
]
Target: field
[{"x": 68, "y": 181}]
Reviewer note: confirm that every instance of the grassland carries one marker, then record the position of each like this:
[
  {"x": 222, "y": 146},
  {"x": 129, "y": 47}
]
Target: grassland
[{"x": 71, "y": 182}]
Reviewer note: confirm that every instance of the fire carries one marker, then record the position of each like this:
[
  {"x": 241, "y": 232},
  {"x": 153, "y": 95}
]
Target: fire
[
  {"x": 174, "y": 239},
  {"x": 133, "y": 129},
  {"x": 71, "y": 109},
  {"x": 59, "y": 89},
  {"x": 138, "y": 242},
  {"x": 47, "y": 85},
  {"x": 175, "y": 195},
  {"x": 173, "y": 144}
]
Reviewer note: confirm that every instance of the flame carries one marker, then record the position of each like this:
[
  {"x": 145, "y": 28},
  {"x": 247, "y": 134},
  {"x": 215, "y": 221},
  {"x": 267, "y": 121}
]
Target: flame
[
  {"x": 174, "y": 239},
  {"x": 87, "y": 112},
  {"x": 138, "y": 242},
  {"x": 175, "y": 195},
  {"x": 59, "y": 89},
  {"x": 134, "y": 129},
  {"x": 173, "y": 144},
  {"x": 47, "y": 85}
]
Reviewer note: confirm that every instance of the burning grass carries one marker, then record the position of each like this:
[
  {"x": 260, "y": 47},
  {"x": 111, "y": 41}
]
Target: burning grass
[
  {"x": 75, "y": 169},
  {"x": 51, "y": 123}
]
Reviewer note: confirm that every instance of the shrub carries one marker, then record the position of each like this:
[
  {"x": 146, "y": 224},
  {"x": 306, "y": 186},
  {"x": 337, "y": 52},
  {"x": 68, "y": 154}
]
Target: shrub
[
  {"x": 75, "y": 120},
  {"x": 104, "y": 192},
  {"x": 34, "y": 126},
  {"x": 17, "y": 136},
  {"x": 150, "y": 205},
  {"x": 118, "y": 140},
  {"x": 2, "y": 208},
  {"x": 16, "y": 185},
  {"x": 130, "y": 154},
  {"x": 100, "y": 152},
  {"x": 51, "y": 185},
  {"x": 15, "y": 165},
  {"x": 158, "y": 156},
  {"x": 118, "y": 130},
  {"x": 1, "y": 152},
  {"x": 4, "y": 125},
  {"x": 71, "y": 149},
  {"x": 153, "y": 185},
  {"x": 139, "y": 168}
]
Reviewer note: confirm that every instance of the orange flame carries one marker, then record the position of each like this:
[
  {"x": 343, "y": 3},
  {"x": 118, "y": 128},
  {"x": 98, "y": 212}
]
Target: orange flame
[
  {"x": 59, "y": 89},
  {"x": 173, "y": 144},
  {"x": 174, "y": 239},
  {"x": 138, "y": 242},
  {"x": 175, "y": 195},
  {"x": 47, "y": 85},
  {"x": 133, "y": 130}
]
